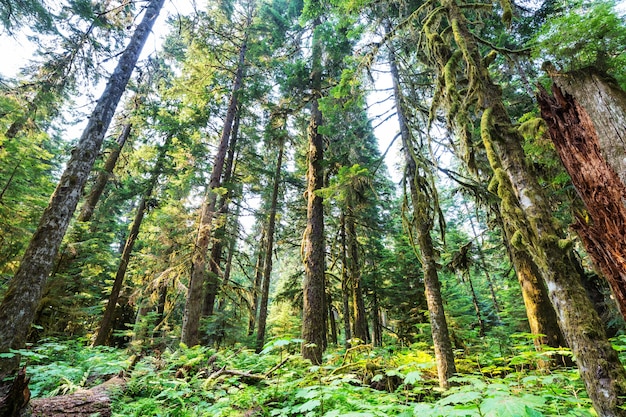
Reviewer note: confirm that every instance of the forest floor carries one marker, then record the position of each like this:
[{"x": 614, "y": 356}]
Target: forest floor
[{"x": 494, "y": 379}]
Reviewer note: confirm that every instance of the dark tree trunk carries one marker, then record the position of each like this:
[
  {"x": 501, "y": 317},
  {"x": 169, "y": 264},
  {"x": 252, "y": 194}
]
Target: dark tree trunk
[
  {"x": 86, "y": 211},
  {"x": 258, "y": 281},
  {"x": 24, "y": 293},
  {"x": 476, "y": 304},
  {"x": 220, "y": 230},
  {"x": 190, "y": 334},
  {"x": 313, "y": 329},
  {"x": 421, "y": 212},
  {"x": 269, "y": 251},
  {"x": 104, "y": 331},
  {"x": 345, "y": 284},
  {"x": 376, "y": 321},
  {"x": 354, "y": 276},
  {"x": 598, "y": 184}
]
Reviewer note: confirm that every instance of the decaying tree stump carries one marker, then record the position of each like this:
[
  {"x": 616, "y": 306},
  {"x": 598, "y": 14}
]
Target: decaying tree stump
[
  {"x": 603, "y": 229},
  {"x": 14, "y": 395}
]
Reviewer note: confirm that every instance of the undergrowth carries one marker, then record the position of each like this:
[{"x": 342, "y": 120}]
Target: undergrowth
[{"x": 360, "y": 382}]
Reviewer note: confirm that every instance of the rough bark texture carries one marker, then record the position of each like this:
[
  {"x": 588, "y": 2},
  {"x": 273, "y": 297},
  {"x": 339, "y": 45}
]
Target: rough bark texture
[
  {"x": 314, "y": 313},
  {"x": 598, "y": 363},
  {"x": 605, "y": 103},
  {"x": 190, "y": 334},
  {"x": 24, "y": 292},
  {"x": 269, "y": 251},
  {"x": 84, "y": 403},
  {"x": 577, "y": 142},
  {"x": 86, "y": 211},
  {"x": 421, "y": 207},
  {"x": 14, "y": 394}
]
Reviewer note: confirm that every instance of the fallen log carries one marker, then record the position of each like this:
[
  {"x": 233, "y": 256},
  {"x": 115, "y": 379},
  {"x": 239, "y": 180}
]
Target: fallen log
[{"x": 83, "y": 403}]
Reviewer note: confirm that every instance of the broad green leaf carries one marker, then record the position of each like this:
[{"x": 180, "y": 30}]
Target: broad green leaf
[
  {"x": 309, "y": 406},
  {"x": 460, "y": 398}
]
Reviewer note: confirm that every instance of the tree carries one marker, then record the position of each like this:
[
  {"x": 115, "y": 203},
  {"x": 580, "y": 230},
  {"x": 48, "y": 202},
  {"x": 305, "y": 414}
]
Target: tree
[
  {"x": 420, "y": 192},
  {"x": 20, "y": 302},
  {"x": 524, "y": 201},
  {"x": 194, "y": 303}
]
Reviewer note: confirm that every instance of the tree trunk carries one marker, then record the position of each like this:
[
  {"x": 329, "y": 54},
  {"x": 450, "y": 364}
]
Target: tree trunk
[
  {"x": 195, "y": 300},
  {"x": 541, "y": 316},
  {"x": 313, "y": 331},
  {"x": 22, "y": 297},
  {"x": 104, "y": 331},
  {"x": 86, "y": 211},
  {"x": 269, "y": 251},
  {"x": 421, "y": 209},
  {"x": 598, "y": 363},
  {"x": 354, "y": 275},
  {"x": 258, "y": 281},
  {"x": 345, "y": 284},
  {"x": 475, "y": 303},
  {"x": 331, "y": 319},
  {"x": 377, "y": 339},
  {"x": 605, "y": 103},
  {"x": 578, "y": 144},
  {"x": 221, "y": 223}
]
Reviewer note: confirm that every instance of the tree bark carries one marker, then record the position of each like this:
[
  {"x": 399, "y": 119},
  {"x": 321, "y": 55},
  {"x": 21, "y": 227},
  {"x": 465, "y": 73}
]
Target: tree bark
[
  {"x": 313, "y": 331},
  {"x": 24, "y": 292},
  {"x": 578, "y": 144},
  {"x": 86, "y": 211},
  {"x": 269, "y": 251},
  {"x": 444, "y": 355},
  {"x": 605, "y": 103},
  {"x": 194, "y": 303}
]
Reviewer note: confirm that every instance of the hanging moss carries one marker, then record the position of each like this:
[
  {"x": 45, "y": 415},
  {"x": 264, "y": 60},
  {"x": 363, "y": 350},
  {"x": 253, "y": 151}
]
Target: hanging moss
[
  {"x": 507, "y": 12},
  {"x": 533, "y": 128},
  {"x": 490, "y": 57}
]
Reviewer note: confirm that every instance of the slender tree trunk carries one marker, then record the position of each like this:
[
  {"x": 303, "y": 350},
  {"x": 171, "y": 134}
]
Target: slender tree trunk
[
  {"x": 354, "y": 273},
  {"x": 345, "y": 284},
  {"x": 313, "y": 329},
  {"x": 598, "y": 363},
  {"x": 256, "y": 285},
  {"x": 86, "y": 211},
  {"x": 331, "y": 319},
  {"x": 22, "y": 297},
  {"x": 432, "y": 287},
  {"x": 220, "y": 230},
  {"x": 269, "y": 250},
  {"x": 195, "y": 300},
  {"x": 475, "y": 303},
  {"x": 106, "y": 323},
  {"x": 377, "y": 339}
]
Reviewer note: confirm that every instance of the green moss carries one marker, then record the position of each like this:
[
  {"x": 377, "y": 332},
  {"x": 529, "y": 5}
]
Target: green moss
[
  {"x": 533, "y": 128},
  {"x": 507, "y": 12},
  {"x": 490, "y": 57},
  {"x": 517, "y": 240}
]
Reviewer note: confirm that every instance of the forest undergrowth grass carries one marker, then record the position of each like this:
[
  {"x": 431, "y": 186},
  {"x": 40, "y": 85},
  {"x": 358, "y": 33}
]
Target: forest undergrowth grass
[{"x": 359, "y": 382}]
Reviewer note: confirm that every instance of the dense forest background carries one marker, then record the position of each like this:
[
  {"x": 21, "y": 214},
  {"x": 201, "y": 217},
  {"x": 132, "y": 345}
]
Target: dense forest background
[{"x": 226, "y": 236}]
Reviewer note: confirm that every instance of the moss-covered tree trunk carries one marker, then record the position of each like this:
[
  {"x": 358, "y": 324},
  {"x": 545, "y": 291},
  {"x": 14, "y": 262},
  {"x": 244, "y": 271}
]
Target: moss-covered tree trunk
[
  {"x": 577, "y": 140},
  {"x": 422, "y": 213},
  {"x": 523, "y": 199},
  {"x": 19, "y": 305},
  {"x": 313, "y": 315}
]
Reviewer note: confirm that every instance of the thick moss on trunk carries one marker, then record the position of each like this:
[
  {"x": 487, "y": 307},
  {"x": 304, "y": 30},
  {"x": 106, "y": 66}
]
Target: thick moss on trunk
[{"x": 523, "y": 199}]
